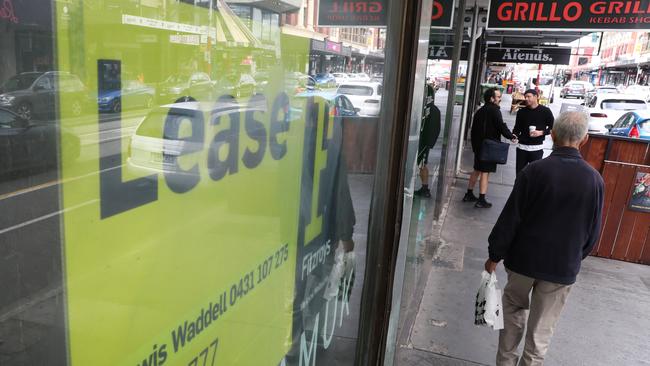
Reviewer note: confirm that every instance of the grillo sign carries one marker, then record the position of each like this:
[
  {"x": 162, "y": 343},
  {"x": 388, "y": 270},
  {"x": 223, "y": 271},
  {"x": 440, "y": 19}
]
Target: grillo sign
[{"x": 569, "y": 15}]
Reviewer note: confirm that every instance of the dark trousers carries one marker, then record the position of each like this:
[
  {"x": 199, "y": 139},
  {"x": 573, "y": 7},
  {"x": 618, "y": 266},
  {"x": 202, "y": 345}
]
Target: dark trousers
[{"x": 524, "y": 157}]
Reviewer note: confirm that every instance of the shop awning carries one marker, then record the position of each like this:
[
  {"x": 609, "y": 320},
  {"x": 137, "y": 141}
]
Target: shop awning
[{"x": 231, "y": 31}]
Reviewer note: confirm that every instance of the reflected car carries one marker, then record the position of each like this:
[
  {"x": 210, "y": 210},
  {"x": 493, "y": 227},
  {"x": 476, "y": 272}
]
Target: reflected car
[
  {"x": 33, "y": 94},
  {"x": 296, "y": 84},
  {"x": 29, "y": 147},
  {"x": 325, "y": 81},
  {"x": 237, "y": 85},
  {"x": 605, "y": 109},
  {"x": 340, "y": 77},
  {"x": 366, "y": 97},
  {"x": 639, "y": 90},
  {"x": 339, "y": 105},
  {"x": 160, "y": 141},
  {"x": 576, "y": 89},
  {"x": 198, "y": 86},
  {"x": 362, "y": 76},
  {"x": 601, "y": 89},
  {"x": 632, "y": 124},
  {"x": 138, "y": 94}
]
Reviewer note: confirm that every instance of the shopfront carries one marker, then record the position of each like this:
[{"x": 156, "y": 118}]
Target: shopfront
[{"x": 328, "y": 56}]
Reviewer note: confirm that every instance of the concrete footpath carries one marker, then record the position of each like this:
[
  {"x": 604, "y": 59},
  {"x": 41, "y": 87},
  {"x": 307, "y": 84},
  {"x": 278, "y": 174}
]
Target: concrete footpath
[{"x": 606, "y": 320}]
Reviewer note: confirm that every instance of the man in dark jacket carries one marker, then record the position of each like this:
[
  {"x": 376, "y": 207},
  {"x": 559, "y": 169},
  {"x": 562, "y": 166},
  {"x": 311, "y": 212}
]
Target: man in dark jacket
[
  {"x": 532, "y": 125},
  {"x": 487, "y": 124},
  {"x": 549, "y": 224},
  {"x": 429, "y": 132}
]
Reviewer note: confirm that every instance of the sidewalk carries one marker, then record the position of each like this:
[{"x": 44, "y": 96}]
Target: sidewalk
[{"x": 605, "y": 321}]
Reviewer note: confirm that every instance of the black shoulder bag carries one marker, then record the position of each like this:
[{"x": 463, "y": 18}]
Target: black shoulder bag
[{"x": 493, "y": 151}]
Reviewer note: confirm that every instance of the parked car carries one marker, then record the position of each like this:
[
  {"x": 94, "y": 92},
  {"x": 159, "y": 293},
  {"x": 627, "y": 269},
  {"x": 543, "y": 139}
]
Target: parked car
[
  {"x": 298, "y": 83},
  {"x": 362, "y": 76},
  {"x": 605, "y": 109},
  {"x": 632, "y": 124},
  {"x": 33, "y": 94},
  {"x": 198, "y": 86},
  {"x": 154, "y": 150},
  {"x": 325, "y": 81},
  {"x": 138, "y": 94},
  {"x": 365, "y": 96},
  {"x": 237, "y": 85},
  {"x": 339, "y": 104},
  {"x": 639, "y": 90},
  {"x": 29, "y": 147},
  {"x": 340, "y": 77},
  {"x": 601, "y": 89},
  {"x": 576, "y": 89}
]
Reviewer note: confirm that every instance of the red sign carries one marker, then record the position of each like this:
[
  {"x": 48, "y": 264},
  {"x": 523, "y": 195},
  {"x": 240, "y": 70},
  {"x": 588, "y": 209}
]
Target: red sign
[
  {"x": 7, "y": 11},
  {"x": 333, "y": 46},
  {"x": 352, "y": 13},
  {"x": 569, "y": 14},
  {"x": 442, "y": 14}
]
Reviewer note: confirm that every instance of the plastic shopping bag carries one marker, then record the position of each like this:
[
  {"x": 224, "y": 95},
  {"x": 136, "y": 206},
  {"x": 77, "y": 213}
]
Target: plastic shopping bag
[
  {"x": 341, "y": 277},
  {"x": 488, "y": 310}
]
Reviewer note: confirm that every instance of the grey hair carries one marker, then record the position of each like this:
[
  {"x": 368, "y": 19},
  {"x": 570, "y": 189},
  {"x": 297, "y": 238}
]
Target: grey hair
[{"x": 570, "y": 128}]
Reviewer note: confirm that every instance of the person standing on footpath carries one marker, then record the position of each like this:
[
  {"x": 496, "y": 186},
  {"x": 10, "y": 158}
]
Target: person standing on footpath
[
  {"x": 532, "y": 125},
  {"x": 487, "y": 124},
  {"x": 542, "y": 243}
]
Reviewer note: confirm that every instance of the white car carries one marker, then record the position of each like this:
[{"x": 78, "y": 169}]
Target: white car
[
  {"x": 366, "y": 97},
  {"x": 340, "y": 77},
  {"x": 605, "y": 109},
  {"x": 362, "y": 76},
  {"x": 639, "y": 90}
]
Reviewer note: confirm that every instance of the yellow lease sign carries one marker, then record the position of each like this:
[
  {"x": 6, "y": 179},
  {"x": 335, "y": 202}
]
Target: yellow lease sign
[{"x": 180, "y": 222}]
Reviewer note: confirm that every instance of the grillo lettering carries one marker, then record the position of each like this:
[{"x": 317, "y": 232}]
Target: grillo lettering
[
  {"x": 539, "y": 11},
  {"x": 356, "y": 7}
]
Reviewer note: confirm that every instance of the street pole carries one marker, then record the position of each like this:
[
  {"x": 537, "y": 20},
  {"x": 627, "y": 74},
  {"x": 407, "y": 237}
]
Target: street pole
[
  {"x": 449, "y": 111},
  {"x": 468, "y": 82}
]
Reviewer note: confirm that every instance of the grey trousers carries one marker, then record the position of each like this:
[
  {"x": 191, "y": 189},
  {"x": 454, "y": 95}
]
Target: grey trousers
[{"x": 541, "y": 310}]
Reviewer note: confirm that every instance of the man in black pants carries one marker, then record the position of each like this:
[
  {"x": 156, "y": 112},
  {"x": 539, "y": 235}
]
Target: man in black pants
[{"x": 532, "y": 125}]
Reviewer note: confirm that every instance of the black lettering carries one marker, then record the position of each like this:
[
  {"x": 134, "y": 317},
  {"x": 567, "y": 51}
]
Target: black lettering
[
  {"x": 162, "y": 355},
  {"x": 178, "y": 338},
  {"x": 256, "y": 131},
  {"x": 219, "y": 168},
  {"x": 117, "y": 196},
  {"x": 191, "y": 332},
  {"x": 178, "y": 180},
  {"x": 280, "y": 104}
]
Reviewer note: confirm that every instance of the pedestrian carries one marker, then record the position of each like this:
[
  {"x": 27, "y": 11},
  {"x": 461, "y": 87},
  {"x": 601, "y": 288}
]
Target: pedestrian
[
  {"x": 532, "y": 124},
  {"x": 542, "y": 243},
  {"x": 487, "y": 124},
  {"x": 429, "y": 132}
]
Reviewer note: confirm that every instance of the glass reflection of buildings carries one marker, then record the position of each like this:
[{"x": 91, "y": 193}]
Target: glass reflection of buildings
[{"x": 27, "y": 36}]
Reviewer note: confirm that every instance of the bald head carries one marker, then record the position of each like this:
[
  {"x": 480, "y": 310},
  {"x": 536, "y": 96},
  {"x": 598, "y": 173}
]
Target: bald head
[{"x": 570, "y": 129}]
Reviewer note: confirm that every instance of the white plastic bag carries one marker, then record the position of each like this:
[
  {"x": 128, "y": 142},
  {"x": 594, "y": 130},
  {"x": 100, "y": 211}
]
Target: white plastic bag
[{"x": 488, "y": 310}]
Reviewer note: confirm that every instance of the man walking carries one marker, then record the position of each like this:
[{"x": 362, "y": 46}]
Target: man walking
[
  {"x": 429, "y": 132},
  {"x": 532, "y": 125},
  {"x": 543, "y": 243},
  {"x": 487, "y": 124}
]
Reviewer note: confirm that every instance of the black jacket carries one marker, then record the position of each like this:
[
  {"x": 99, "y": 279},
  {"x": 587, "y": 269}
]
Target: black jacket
[
  {"x": 488, "y": 124},
  {"x": 552, "y": 218},
  {"x": 540, "y": 117}
]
